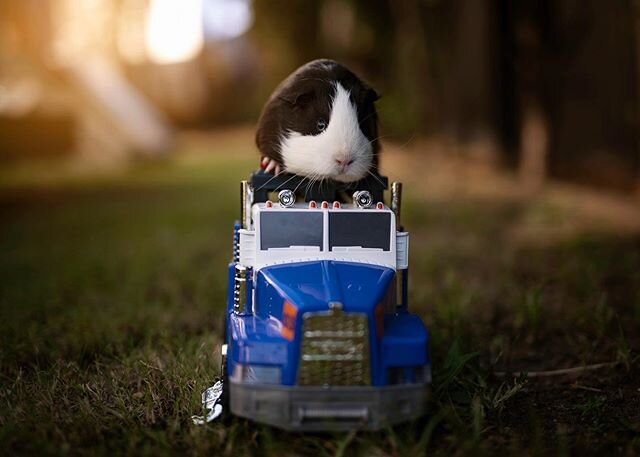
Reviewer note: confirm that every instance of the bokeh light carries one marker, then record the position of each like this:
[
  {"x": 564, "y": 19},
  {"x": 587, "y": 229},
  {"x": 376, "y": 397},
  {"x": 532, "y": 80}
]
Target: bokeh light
[{"x": 174, "y": 30}]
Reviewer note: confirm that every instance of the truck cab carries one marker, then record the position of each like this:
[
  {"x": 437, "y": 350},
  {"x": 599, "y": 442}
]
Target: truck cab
[{"x": 318, "y": 332}]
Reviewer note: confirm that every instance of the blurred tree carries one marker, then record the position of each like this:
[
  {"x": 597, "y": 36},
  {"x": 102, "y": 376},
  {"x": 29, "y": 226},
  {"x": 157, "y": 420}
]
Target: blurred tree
[
  {"x": 551, "y": 86},
  {"x": 287, "y": 35},
  {"x": 570, "y": 103},
  {"x": 636, "y": 5},
  {"x": 411, "y": 82}
]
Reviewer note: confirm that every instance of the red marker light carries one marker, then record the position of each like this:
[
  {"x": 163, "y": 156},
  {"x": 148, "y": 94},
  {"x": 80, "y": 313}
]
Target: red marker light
[
  {"x": 336, "y": 205},
  {"x": 312, "y": 204},
  {"x": 325, "y": 205},
  {"x": 380, "y": 205},
  {"x": 268, "y": 204}
]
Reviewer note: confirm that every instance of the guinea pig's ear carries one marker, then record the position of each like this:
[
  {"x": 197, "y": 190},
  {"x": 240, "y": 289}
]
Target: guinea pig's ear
[
  {"x": 371, "y": 95},
  {"x": 297, "y": 98}
]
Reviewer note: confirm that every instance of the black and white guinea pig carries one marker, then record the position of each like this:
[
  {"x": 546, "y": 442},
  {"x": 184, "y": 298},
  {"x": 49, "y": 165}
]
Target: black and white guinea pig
[{"x": 320, "y": 122}]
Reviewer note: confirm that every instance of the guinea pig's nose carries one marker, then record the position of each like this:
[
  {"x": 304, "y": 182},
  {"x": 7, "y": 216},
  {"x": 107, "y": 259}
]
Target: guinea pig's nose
[{"x": 344, "y": 162}]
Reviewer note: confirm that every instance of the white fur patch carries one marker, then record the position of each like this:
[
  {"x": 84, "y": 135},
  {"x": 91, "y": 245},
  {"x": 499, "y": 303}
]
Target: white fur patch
[{"x": 342, "y": 152}]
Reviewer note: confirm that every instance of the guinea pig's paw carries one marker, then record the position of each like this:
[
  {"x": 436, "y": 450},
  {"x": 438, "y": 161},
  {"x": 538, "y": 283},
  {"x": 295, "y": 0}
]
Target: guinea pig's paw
[{"x": 269, "y": 165}]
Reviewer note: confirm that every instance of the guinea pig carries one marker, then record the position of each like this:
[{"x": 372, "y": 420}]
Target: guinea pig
[{"x": 320, "y": 122}]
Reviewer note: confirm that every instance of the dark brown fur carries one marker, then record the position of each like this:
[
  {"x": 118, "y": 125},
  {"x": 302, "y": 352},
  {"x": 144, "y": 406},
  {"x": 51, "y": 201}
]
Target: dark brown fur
[{"x": 304, "y": 98}]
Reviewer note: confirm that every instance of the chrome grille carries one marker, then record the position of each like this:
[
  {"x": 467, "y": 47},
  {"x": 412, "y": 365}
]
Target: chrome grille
[{"x": 335, "y": 348}]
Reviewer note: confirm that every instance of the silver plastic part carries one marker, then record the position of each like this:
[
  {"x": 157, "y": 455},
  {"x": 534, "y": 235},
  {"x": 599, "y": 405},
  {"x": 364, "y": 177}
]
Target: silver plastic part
[
  {"x": 256, "y": 374},
  {"x": 286, "y": 198},
  {"x": 362, "y": 199},
  {"x": 396, "y": 200},
  {"x": 329, "y": 408},
  {"x": 396, "y": 207},
  {"x": 240, "y": 299},
  {"x": 335, "y": 349},
  {"x": 244, "y": 203},
  {"x": 211, "y": 402}
]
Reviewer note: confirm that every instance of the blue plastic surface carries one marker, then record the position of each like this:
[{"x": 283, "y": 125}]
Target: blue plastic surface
[
  {"x": 308, "y": 287},
  {"x": 257, "y": 341},
  {"x": 405, "y": 341},
  {"x": 311, "y": 286}
]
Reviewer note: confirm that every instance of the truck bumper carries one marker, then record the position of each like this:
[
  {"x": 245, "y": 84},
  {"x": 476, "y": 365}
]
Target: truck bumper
[{"x": 334, "y": 408}]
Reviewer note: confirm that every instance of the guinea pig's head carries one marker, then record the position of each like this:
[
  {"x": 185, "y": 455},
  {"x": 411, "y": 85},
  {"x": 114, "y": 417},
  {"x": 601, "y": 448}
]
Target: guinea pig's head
[{"x": 321, "y": 122}]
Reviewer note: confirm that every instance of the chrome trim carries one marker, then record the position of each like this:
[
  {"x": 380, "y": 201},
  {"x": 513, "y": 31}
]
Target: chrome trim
[
  {"x": 396, "y": 207},
  {"x": 286, "y": 198},
  {"x": 335, "y": 348},
  {"x": 240, "y": 296},
  {"x": 396, "y": 201},
  {"x": 362, "y": 199},
  {"x": 311, "y": 413},
  {"x": 244, "y": 203}
]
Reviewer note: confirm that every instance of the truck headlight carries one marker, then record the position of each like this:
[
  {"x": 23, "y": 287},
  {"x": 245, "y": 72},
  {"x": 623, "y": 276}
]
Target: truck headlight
[
  {"x": 362, "y": 199},
  {"x": 287, "y": 198}
]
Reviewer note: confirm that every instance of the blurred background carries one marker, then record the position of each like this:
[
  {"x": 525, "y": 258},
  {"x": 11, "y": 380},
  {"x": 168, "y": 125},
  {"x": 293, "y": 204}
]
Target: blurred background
[
  {"x": 126, "y": 125},
  {"x": 544, "y": 88}
]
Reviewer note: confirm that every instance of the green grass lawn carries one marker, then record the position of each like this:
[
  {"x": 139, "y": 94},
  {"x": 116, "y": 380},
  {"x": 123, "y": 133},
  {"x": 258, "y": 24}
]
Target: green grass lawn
[{"x": 111, "y": 304}]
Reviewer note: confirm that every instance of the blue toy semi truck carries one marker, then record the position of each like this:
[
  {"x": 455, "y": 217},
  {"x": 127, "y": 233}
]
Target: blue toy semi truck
[{"x": 318, "y": 334}]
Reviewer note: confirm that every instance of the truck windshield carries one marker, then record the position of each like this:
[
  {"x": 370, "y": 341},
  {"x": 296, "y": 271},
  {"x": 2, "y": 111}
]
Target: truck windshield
[
  {"x": 361, "y": 229},
  {"x": 283, "y": 229}
]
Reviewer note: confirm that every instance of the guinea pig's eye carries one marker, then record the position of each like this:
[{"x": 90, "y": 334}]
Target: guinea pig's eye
[{"x": 321, "y": 125}]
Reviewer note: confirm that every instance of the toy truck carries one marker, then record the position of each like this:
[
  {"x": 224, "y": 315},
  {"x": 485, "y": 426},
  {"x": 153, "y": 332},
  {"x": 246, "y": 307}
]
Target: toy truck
[{"x": 318, "y": 333}]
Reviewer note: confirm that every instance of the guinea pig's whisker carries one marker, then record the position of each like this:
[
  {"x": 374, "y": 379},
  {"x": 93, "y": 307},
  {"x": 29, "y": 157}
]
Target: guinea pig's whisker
[
  {"x": 406, "y": 143},
  {"x": 312, "y": 181},
  {"x": 390, "y": 176},
  {"x": 307, "y": 188},
  {"x": 266, "y": 183},
  {"x": 379, "y": 137},
  {"x": 302, "y": 181},
  {"x": 377, "y": 110},
  {"x": 324, "y": 80},
  {"x": 320, "y": 181},
  {"x": 368, "y": 116},
  {"x": 375, "y": 177},
  {"x": 285, "y": 183},
  {"x": 308, "y": 180},
  {"x": 298, "y": 186}
]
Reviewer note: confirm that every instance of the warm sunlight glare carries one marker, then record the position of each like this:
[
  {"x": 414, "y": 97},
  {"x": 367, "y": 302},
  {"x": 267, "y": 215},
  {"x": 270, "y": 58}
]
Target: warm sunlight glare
[
  {"x": 227, "y": 19},
  {"x": 174, "y": 30}
]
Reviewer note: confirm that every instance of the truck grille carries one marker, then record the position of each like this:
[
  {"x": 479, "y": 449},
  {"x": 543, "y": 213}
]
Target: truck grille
[{"x": 335, "y": 349}]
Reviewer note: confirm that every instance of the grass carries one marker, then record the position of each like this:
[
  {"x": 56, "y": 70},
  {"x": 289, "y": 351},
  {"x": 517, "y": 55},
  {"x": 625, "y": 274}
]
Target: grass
[{"x": 110, "y": 322}]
